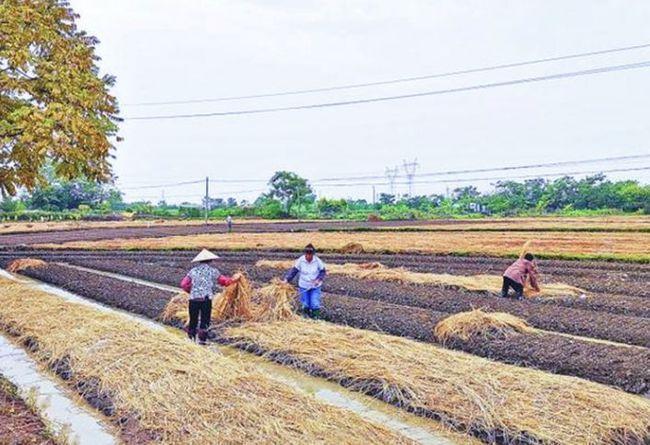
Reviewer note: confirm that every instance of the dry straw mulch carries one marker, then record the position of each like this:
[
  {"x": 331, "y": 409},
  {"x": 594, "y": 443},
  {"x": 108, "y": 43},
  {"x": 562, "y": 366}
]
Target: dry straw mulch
[
  {"x": 470, "y": 392},
  {"x": 21, "y": 264},
  {"x": 477, "y": 323},
  {"x": 481, "y": 283},
  {"x": 175, "y": 391}
]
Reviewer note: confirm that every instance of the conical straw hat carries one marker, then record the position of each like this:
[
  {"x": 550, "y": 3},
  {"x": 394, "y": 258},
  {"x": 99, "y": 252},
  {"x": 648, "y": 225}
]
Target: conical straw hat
[{"x": 204, "y": 255}]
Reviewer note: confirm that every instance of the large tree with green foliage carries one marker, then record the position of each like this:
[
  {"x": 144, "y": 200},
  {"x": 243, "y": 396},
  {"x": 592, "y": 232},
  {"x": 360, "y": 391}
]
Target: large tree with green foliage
[
  {"x": 54, "y": 105},
  {"x": 290, "y": 189}
]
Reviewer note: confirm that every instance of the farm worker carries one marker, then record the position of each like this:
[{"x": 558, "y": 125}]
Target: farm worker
[
  {"x": 517, "y": 274},
  {"x": 229, "y": 223},
  {"x": 311, "y": 272},
  {"x": 200, "y": 282}
]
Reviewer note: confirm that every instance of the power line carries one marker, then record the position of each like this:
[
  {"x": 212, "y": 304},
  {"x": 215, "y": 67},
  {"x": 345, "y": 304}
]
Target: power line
[
  {"x": 512, "y": 167},
  {"x": 394, "y": 172},
  {"x": 394, "y": 81},
  {"x": 175, "y": 184},
  {"x": 599, "y": 70},
  {"x": 454, "y": 180}
]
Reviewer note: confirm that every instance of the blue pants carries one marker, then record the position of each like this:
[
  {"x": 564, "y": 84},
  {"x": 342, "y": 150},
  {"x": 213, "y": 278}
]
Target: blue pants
[{"x": 310, "y": 298}]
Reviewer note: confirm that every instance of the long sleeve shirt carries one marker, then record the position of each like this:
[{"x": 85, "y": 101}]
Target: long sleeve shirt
[
  {"x": 201, "y": 281},
  {"x": 310, "y": 273},
  {"x": 522, "y": 270}
]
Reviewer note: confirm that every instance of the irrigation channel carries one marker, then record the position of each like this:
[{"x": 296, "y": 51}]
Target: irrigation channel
[
  {"x": 89, "y": 429},
  {"x": 63, "y": 414}
]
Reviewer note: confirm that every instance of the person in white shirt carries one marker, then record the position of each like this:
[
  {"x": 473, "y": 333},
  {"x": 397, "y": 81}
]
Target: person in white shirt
[{"x": 311, "y": 272}]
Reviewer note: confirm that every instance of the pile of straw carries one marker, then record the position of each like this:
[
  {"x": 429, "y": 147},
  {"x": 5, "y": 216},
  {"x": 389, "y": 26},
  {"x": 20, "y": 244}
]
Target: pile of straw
[
  {"x": 277, "y": 302},
  {"x": 352, "y": 247},
  {"x": 25, "y": 263},
  {"x": 479, "y": 283},
  {"x": 524, "y": 405},
  {"x": 234, "y": 303},
  {"x": 176, "y": 309},
  {"x": 167, "y": 388},
  {"x": 476, "y": 323}
]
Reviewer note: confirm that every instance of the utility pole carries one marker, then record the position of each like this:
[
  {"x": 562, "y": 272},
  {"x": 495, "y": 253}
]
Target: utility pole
[
  {"x": 409, "y": 170},
  {"x": 391, "y": 174},
  {"x": 207, "y": 198},
  {"x": 374, "y": 196}
]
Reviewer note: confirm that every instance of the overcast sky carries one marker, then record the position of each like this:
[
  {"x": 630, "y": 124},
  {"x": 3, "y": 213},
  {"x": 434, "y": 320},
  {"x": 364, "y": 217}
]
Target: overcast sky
[{"x": 166, "y": 50}]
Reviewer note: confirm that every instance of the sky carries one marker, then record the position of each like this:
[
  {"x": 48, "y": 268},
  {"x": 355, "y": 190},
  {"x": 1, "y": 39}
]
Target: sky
[{"x": 173, "y": 50}]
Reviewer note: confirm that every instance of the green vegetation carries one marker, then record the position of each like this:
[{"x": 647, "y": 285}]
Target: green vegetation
[{"x": 291, "y": 196}]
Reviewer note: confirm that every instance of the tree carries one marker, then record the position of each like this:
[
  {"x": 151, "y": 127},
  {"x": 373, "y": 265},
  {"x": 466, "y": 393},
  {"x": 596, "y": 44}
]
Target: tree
[
  {"x": 290, "y": 189},
  {"x": 54, "y": 105},
  {"x": 386, "y": 199}
]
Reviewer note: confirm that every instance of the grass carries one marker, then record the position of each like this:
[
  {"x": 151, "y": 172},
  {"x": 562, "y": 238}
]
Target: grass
[
  {"x": 482, "y": 283},
  {"x": 583, "y": 245},
  {"x": 477, "y": 323},
  {"x": 491, "y": 400},
  {"x": 173, "y": 390}
]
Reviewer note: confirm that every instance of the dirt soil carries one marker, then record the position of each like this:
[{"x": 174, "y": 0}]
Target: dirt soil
[
  {"x": 584, "y": 319},
  {"x": 618, "y": 366},
  {"x": 18, "y": 423},
  {"x": 609, "y": 277}
]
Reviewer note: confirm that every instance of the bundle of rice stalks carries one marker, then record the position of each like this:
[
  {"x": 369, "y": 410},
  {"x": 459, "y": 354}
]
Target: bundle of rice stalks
[
  {"x": 158, "y": 387},
  {"x": 501, "y": 403},
  {"x": 278, "y": 302},
  {"x": 234, "y": 303},
  {"x": 352, "y": 248},
  {"x": 525, "y": 248},
  {"x": 25, "y": 263},
  {"x": 476, "y": 323},
  {"x": 479, "y": 283},
  {"x": 176, "y": 309}
]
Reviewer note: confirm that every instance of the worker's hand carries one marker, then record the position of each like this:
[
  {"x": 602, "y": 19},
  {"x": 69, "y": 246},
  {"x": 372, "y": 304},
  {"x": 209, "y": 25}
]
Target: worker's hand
[
  {"x": 237, "y": 277},
  {"x": 317, "y": 282}
]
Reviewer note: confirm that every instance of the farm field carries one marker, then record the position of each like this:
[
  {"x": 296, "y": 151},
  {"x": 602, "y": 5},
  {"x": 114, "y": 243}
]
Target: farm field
[
  {"x": 585, "y": 344},
  {"x": 584, "y": 245},
  {"x": 16, "y": 233}
]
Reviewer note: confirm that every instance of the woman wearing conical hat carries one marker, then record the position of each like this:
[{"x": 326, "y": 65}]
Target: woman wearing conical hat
[{"x": 201, "y": 283}]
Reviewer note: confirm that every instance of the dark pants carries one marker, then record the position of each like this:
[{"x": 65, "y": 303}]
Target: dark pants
[
  {"x": 507, "y": 284},
  {"x": 204, "y": 309}
]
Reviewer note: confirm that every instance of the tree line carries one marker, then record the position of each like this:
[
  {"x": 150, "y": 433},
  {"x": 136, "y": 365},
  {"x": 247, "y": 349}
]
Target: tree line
[{"x": 290, "y": 195}]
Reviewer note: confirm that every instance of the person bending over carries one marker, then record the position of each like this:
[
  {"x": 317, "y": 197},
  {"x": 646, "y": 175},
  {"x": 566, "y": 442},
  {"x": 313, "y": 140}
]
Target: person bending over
[{"x": 517, "y": 274}]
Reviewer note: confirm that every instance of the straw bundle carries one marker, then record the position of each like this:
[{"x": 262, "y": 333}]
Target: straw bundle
[
  {"x": 168, "y": 390},
  {"x": 278, "y": 302},
  {"x": 25, "y": 263},
  {"x": 234, "y": 303},
  {"x": 176, "y": 309},
  {"x": 479, "y": 283},
  {"x": 525, "y": 248},
  {"x": 352, "y": 247},
  {"x": 476, "y": 323},
  {"x": 516, "y": 405}
]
